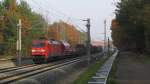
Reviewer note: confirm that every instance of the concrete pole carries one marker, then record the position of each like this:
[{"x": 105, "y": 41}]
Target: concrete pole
[
  {"x": 19, "y": 26},
  {"x": 108, "y": 46},
  {"x": 105, "y": 37},
  {"x": 88, "y": 41}
]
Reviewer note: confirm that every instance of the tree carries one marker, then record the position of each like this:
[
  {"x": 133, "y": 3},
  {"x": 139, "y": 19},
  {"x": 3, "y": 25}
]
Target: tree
[
  {"x": 129, "y": 15},
  {"x": 146, "y": 22},
  {"x": 64, "y": 31}
]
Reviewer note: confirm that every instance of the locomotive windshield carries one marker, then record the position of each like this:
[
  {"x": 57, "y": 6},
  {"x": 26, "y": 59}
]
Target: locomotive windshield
[{"x": 38, "y": 45}]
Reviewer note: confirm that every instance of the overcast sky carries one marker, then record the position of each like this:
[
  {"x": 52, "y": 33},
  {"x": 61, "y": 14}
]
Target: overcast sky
[{"x": 74, "y": 10}]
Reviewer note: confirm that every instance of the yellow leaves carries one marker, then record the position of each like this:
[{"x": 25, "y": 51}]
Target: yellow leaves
[
  {"x": 26, "y": 26},
  {"x": 73, "y": 35},
  {"x": 64, "y": 31},
  {"x": 13, "y": 6},
  {"x": 52, "y": 32},
  {"x": 114, "y": 24},
  {"x": 25, "y": 23}
]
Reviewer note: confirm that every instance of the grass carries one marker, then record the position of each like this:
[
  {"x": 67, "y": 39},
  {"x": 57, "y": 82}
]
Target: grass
[{"x": 86, "y": 76}]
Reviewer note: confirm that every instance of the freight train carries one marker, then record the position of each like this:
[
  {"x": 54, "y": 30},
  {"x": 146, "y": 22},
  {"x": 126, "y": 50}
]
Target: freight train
[{"x": 46, "y": 50}]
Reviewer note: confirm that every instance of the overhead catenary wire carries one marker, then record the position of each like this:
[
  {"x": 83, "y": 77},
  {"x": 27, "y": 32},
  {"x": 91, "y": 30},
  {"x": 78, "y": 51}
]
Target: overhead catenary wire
[
  {"x": 60, "y": 12},
  {"x": 54, "y": 13},
  {"x": 57, "y": 13}
]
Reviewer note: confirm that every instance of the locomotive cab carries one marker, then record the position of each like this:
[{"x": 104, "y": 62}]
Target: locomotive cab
[{"x": 39, "y": 51}]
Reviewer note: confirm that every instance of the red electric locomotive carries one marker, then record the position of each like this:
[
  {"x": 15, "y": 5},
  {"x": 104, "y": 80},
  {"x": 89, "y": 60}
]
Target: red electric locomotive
[{"x": 44, "y": 50}]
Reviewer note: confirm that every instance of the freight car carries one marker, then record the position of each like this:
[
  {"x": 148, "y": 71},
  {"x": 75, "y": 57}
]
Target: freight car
[
  {"x": 96, "y": 49},
  {"x": 80, "y": 49}
]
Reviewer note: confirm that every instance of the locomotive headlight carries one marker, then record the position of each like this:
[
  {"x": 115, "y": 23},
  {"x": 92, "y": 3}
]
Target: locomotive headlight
[
  {"x": 33, "y": 50},
  {"x": 42, "y": 50}
]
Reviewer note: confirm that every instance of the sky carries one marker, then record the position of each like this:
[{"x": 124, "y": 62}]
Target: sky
[{"x": 74, "y": 11}]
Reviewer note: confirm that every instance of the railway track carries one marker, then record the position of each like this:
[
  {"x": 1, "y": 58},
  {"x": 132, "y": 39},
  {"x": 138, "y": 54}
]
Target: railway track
[
  {"x": 14, "y": 74},
  {"x": 31, "y": 65},
  {"x": 15, "y": 68}
]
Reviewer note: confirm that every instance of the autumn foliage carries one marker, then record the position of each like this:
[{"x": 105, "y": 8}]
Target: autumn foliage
[{"x": 64, "y": 31}]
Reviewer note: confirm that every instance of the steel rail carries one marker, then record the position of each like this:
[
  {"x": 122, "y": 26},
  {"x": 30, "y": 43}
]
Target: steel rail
[
  {"x": 14, "y": 77},
  {"x": 28, "y": 66}
]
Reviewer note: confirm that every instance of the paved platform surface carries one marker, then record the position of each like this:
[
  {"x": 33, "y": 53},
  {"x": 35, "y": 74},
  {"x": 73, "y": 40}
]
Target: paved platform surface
[{"x": 132, "y": 69}]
